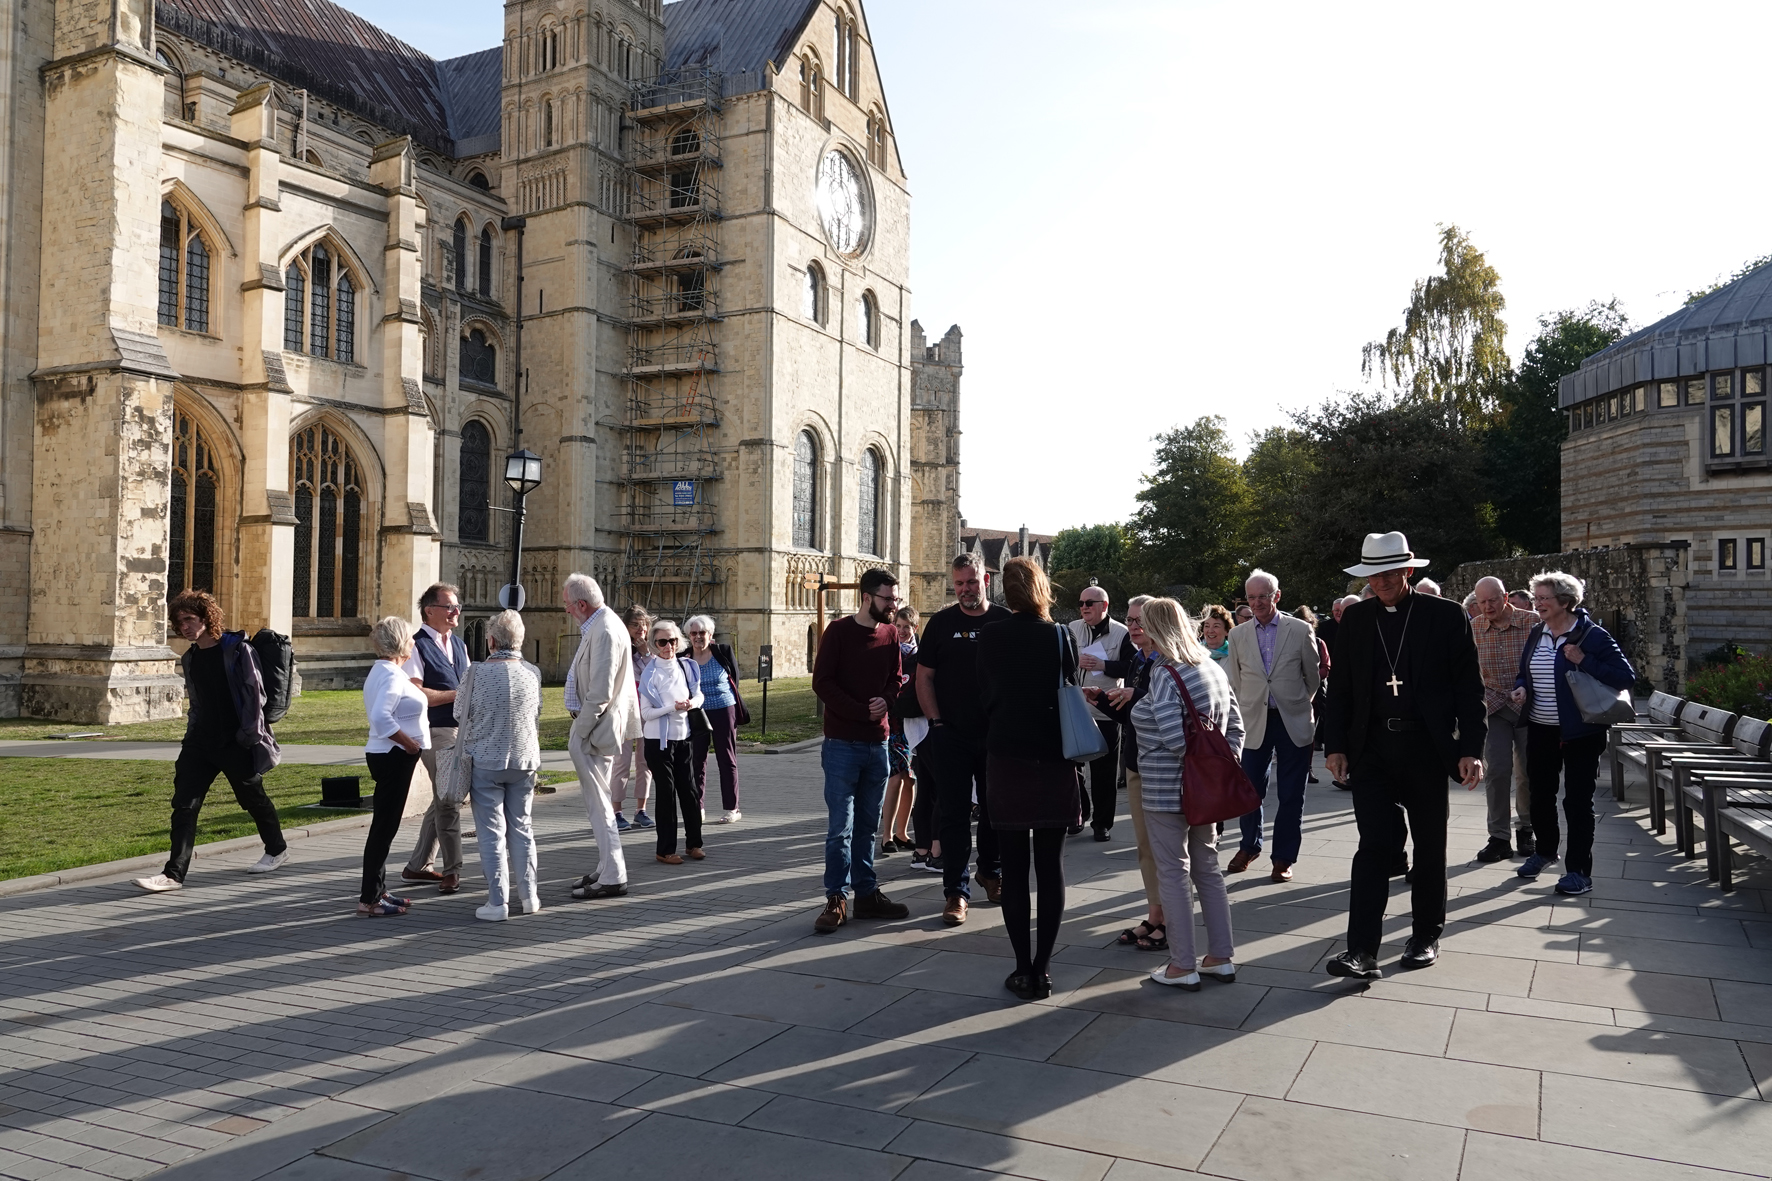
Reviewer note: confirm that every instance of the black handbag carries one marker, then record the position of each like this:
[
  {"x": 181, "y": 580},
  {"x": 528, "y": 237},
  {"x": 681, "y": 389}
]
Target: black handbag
[{"x": 698, "y": 717}]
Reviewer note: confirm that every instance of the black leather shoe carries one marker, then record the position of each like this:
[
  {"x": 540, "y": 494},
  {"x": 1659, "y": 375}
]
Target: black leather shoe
[
  {"x": 1420, "y": 953},
  {"x": 1495, "y": 850},
  {"x": 1101, "y": 834},
  {"x": 1354, "y": 965},
  {"x": 1073, "y": 830},
  {"x": 1524, "y": 843},
  {"x": 1021, "y": 984},
  {"x": 1400, "y": 869}
]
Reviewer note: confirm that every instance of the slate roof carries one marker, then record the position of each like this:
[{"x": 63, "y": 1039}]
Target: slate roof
[
  {"x": 1725, "y": 329},
  {"x": 733, "y": 36}
]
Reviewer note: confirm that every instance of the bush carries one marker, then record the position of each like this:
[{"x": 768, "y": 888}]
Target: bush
[
  {"x": 1724, "y": 653},
  {"x": 1742, "y": 686}
]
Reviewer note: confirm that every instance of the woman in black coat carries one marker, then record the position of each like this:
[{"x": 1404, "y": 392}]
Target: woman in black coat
[{"x": 1031, "y": 787}]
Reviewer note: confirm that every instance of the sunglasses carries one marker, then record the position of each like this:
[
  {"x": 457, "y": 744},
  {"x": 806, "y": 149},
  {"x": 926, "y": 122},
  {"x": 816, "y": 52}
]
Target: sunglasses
[
  {"x": 667, "y": 642},
  {"x": 1091, "y": 603},
  {"x": 447, "y": 608}
]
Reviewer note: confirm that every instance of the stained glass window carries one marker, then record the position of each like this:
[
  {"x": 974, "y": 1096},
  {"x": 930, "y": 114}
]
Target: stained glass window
[
  {"x": 329, "y": 526},
  {"x": 473, "y": 521},
  {"x": 806, "y": 491}
]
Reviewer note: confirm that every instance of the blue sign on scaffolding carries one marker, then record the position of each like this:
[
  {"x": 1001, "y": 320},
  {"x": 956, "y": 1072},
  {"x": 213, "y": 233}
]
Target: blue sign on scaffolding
[{"x": 682, "y": 492}]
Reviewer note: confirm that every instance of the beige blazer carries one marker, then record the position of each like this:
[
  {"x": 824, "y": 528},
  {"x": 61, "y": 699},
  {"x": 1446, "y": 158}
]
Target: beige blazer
[
  {"x": 1292, "y": 684},
  {"x": 603, "y": 673}
]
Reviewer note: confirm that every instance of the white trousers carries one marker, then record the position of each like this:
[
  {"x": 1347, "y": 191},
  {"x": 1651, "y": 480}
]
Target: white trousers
[{"x": 593, "y": 783}]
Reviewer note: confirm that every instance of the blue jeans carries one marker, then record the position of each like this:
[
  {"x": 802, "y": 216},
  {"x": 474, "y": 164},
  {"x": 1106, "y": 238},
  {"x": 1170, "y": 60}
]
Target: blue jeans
[
  {"x": 501, "y": 801},
  {"x": 1295, "y": 764},
  {"x": 854, "y": 787}
]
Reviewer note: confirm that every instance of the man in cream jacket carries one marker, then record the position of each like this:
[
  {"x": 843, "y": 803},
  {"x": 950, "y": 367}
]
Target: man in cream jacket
[
  {"x": 1274, "y": 671},
  {"x": 605, "y": 710}
]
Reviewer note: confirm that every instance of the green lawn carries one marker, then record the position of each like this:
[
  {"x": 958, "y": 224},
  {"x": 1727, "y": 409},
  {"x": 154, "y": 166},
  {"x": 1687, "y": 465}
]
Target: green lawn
[
  {"x": 124, "y": 807},
  {"x": 335, "y": 718}
]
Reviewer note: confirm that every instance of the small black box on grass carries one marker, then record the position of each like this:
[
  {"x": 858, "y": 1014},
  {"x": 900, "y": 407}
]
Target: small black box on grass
[{"x": 341, "y": 791}]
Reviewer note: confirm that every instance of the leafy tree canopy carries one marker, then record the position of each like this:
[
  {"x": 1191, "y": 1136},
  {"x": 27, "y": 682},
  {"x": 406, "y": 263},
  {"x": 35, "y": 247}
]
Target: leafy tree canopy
[
  {"x": 1188, "y": 529},
  {"x": 1098, "y": 549}
]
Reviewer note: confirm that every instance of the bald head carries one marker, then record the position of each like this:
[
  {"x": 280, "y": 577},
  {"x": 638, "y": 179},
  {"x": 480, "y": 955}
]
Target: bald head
[{"x": 1492, "y": 601}]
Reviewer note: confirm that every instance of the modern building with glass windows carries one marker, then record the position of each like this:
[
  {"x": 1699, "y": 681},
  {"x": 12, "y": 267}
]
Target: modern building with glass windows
[{"x": 1667, "y": 444}]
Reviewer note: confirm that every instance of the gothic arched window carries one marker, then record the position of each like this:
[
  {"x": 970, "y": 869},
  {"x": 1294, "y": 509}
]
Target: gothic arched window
[
  {"x": 473, "y": 520},
  {"x": 806, "y": 491},
  {"x": 811, "y": 87},
  {"x": 877, "y": 138},
  {"x": 195, "y": 492},
  {"x": 328, "y": 526},
  {"x": 869, "y": 324},
  {"x": 486, "y": 262},
  {"x": 320, "y": 305},
  {"x": 459, "y": 249},
  {"x": 867, "y": 529},
  {"x": 184, "y": 271},
  {"x": 813, "y": 301},
  {"x": 479, "y": 358}
]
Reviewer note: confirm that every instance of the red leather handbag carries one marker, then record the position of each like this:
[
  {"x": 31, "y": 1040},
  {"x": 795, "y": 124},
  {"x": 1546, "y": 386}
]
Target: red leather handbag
[{"x": 1213, "y": 786}]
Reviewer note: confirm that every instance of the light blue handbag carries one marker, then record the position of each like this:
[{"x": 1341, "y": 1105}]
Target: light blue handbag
[{"x": 1083, "y": 742}]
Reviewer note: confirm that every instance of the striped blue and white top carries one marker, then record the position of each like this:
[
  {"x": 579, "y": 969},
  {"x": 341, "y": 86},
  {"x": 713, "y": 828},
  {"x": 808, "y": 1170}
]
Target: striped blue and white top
[
  {"x": 1544, "y": 679},
  {"x": 1160, "y": 719}
]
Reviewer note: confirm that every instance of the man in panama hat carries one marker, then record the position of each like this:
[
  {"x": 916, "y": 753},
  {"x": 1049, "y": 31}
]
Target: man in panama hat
[{"x": 1405, "y": 710}]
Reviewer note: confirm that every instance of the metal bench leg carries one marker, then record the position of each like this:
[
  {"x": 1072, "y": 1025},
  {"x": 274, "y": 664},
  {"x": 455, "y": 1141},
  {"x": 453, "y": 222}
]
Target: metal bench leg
[
  {"x": 1725, "y": 864},
  {"x": 1617, "y": 770}
]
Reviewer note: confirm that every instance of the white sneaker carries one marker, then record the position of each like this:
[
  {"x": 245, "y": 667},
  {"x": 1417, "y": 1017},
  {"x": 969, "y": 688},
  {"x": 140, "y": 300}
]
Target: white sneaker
[
  {"x": 159, "y": 884},
  {"x": 731, "y": 816},
  {"x": 492, "y": 914},
  {"x": 268, "y": 862},
  {"x": 532, "y": 904}
]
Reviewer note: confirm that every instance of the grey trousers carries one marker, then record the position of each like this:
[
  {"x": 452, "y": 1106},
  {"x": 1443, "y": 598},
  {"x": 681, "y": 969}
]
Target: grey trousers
[
  {"x": 1187, "y": 865},
  {"x": 1504, "y": 775},
  {"x": 440, "y": 834},
  {"x": 501, "y": 800}
]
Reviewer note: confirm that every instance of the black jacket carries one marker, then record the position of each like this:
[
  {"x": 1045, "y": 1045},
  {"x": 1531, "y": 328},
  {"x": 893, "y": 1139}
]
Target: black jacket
[
  {"x": 1439, "y": 659},
  {"x": 1020, "y": 662}
]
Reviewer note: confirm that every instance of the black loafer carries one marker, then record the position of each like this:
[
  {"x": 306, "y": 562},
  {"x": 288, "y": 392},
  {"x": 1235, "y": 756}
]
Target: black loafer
[
  {"x": 1420, "y": 953},
  {"x": 1354, "y": 965},
  {"x": 1495, "y": 850},
  {"x": 1021, "y": 984},
  {"x": 1101, "y": 834},
  {"x": 1400, "y": 869}
]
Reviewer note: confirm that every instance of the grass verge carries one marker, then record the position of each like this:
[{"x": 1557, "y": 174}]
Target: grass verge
[{"x": 65, "y": 812}]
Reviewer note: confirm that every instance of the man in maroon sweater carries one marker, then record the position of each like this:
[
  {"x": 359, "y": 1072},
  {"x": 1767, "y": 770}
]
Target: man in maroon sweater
[{"x": 855, "y": 675}]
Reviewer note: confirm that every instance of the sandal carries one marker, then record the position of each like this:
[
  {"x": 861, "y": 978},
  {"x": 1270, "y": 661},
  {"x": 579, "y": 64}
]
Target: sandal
[
  {"x": 397, "y": 901},
  {"x": 1132, "y": 935},
  {"x": 1154, "y": 941},
  {"x": 383, "y": 907}
]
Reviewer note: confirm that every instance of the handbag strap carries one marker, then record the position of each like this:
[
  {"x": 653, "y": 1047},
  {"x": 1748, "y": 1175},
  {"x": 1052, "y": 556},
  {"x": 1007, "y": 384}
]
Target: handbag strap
[{"x": 1187, "y": 699}]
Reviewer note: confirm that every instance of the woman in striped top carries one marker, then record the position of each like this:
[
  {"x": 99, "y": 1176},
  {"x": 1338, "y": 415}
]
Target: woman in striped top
[
  {"x": 1559, "y": 742},
  {"x": 1186, "y": 855}
]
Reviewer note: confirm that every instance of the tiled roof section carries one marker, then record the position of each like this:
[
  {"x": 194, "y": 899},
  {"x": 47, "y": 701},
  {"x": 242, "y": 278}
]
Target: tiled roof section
[
  {"x": 1726, "y": 328},
  {"x": 733, "y": 36},
  {"x": 318, "y": 45},
  {"x": 471, "y": 85}
]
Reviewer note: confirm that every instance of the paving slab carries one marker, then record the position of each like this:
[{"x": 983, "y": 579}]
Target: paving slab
[
  {"x": 670, "y": 1146},
  {"x": 1657, "y": 1123},
  {"x": 1272, "y": 1140},
  {"x": 1421, "y": 1087}
]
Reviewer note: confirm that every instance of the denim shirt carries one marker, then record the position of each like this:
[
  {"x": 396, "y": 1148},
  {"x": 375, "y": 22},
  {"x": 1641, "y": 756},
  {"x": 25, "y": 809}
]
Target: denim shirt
[{"x": 716, "y": 689}]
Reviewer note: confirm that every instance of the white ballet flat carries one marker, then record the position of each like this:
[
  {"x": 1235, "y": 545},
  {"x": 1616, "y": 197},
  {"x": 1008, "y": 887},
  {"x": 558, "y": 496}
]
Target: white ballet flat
[
  {"x": 1188, "y": 983},
  {"x": 1223, "y": 973}
]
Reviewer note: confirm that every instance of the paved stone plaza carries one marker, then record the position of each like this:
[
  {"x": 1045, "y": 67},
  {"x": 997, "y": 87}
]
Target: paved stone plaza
[{"x": 253, "y": 1028}]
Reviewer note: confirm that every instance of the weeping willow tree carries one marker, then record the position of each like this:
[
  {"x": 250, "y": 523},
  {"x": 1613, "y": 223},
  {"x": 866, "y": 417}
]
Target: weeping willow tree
[{"x": 1450, "y": 349}]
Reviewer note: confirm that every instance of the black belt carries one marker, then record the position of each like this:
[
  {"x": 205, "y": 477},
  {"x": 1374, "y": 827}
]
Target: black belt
[{"x": 1399, "y": 725}]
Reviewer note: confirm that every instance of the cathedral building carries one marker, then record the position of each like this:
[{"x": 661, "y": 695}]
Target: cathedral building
[{"x": 279, "y": 293}]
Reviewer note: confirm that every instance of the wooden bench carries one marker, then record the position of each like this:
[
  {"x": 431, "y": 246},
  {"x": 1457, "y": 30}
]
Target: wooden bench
[
  {"x": 1739, "y": 808},
  {"x": 1704, "y": 731},
  {"x": 1625, "y": 742},
  {"x": 1748, "y": 759}
]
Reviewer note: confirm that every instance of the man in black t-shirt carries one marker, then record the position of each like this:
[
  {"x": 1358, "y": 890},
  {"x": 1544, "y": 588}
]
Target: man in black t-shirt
[{"x": 948, "y": 690}]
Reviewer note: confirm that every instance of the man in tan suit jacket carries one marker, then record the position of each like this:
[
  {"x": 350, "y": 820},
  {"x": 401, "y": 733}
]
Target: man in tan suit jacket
[
  {"x": 1274, "y": 672},
  {"x": 605, "y": 710}
]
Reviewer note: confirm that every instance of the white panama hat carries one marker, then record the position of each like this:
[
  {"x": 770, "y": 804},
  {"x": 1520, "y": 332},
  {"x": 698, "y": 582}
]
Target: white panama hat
[{"x": 1385, "y": 551}]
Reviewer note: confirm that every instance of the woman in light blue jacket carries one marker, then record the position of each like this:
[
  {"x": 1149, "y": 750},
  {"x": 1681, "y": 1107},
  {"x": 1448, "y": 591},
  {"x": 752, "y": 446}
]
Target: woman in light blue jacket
[{"x": 1186, "y": 855}]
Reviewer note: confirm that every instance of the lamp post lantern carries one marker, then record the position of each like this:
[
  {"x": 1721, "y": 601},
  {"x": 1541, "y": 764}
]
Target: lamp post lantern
[{"x": 523, "y": 475}]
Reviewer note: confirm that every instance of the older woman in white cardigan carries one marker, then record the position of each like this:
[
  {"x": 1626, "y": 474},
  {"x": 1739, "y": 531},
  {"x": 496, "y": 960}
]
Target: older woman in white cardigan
[
  {"x": 670, "y": 687},
  {"x": 398, "y": 733},
  {"x": 498, "y": 706}
]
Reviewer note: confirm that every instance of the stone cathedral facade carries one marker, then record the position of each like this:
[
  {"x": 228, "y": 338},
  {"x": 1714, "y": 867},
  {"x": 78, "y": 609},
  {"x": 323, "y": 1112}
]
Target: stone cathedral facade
[{"x": 279, "y": 292}]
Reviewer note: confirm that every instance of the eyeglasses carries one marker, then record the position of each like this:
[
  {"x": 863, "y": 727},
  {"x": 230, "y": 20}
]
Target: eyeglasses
[
  {"x": 1087, "y": 603},
  {"x": 698, "y": 635},
  {"x": 667, "y": 642},
  {"x": 887, "y": 598},
  {"x": 447, "y": 608}
]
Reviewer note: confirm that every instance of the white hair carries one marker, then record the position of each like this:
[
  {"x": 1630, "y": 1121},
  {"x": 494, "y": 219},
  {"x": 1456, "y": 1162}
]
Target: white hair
[
  {"x": 1428, "y": 586},
  {"x": 1260, "y": 575},
  {"x": 1500, "y": 586},
  {"x": 1348, "y": 601},
  {"x": 391, "y": 638},
  {"x": 1470, "y": 600},
  {"x": 666, "y": 625},
  {"x": 504, "y": 631},
  {"x": 706, "y": 622},
  {"x": 582, "y": 588},
  {"x": 1568, "y": 588}
]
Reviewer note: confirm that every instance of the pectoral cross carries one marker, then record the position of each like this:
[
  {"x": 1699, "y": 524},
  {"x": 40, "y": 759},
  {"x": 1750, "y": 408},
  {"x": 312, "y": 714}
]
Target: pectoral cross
[{"x": 1394, "y": 683}]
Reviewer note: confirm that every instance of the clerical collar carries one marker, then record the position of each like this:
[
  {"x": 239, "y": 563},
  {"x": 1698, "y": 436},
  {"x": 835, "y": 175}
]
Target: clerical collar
[{"x": 1400, "y": 602}]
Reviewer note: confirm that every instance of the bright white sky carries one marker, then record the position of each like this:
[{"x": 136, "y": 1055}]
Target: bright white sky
[{"x": 1141, "y": 212}]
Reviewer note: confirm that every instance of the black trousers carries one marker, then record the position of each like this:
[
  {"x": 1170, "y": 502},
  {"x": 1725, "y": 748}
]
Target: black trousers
[
  {"x": 956, "y": 763},
  {"x": 392, "y": 773},
  {"x": 1099, "y": 803},
  {"x": 1042, "y": 851},
  {"x": 1398, "y": 769},
  {"x": 1577, "y": 761},
  {"x": 192, "y": 775},
  {"x": 673, "y": 780}
]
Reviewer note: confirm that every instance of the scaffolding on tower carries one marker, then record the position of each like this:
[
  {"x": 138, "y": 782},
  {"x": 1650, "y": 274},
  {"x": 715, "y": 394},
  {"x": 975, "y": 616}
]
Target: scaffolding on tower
[{"x": 669, "y": 467}]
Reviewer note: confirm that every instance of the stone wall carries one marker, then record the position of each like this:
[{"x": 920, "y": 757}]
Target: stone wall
[{"x": 1637, "y": 592}]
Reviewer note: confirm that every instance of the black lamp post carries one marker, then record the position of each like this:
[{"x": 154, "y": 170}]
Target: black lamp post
[{"x": 523, "y": 474}]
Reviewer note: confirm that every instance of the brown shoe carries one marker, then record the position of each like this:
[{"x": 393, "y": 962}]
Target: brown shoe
[
  {"x": 993, "y": 887},
  {"x": 696, "y": 854},
  {"x": 669, "y": 858},
  {"x": 450, "y": 884},
  {"x": 954, "y": 913},
  {"x": 1282, "y": 872},
  {"x": 1241, "y": 861},
  {"x": 834, "y": 915},
  {"x": 420, "y": 875}
]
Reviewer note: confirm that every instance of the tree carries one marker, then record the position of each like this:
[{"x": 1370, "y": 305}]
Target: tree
[
  {"x": 1379, "y": 465},
  {"x": 1746, "y": 268},
  {"x": 1188, "y": 530},
  {"x": 1451, "y": 348},
  {"x": 1099, "y": 550},
  {"x": 1279, "y": 466},
  {"x": 1523, "y": 448}
]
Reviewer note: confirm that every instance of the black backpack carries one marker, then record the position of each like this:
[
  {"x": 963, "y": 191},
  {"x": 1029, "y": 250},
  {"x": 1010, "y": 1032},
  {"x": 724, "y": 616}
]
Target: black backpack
[{"x": 276, "y": 666}]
